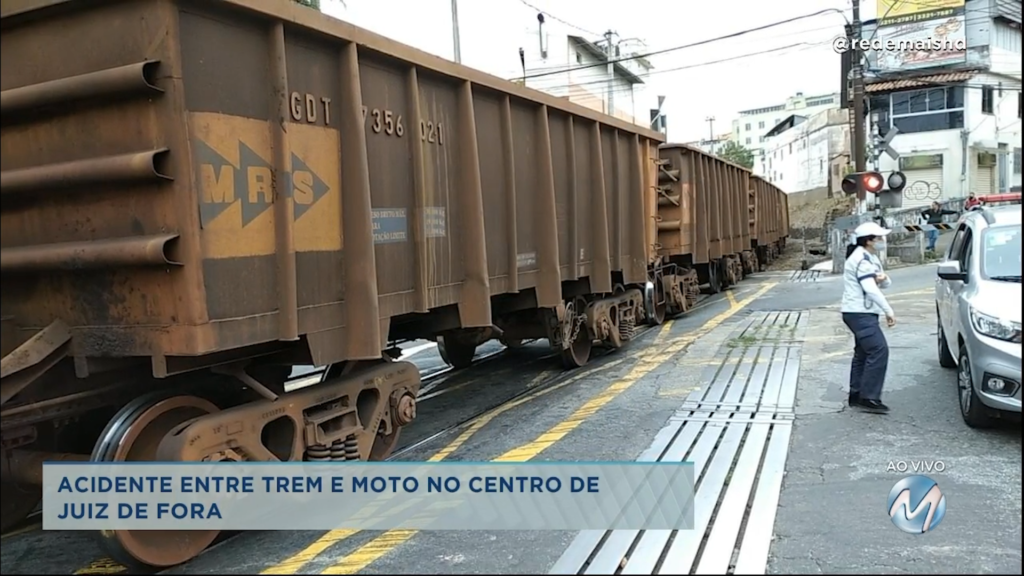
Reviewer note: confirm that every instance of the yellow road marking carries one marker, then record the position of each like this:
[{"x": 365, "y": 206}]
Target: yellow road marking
[
  {"x": 538, "y": 379},
  {"x": 652, "y": 358},
  {"x": 102, "y": 566},
  {"x": 913, "y": 292},
  {"x": 294, "y": 564},
  {"x": 665, "y": 329},
  {"x": 731, "y": 297}
]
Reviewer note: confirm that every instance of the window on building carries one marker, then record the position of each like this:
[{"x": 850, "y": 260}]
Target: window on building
[
  {"x": 1016, "y": 160},
  {"x": 988, "y": 100},
  {"x": 579, "y": 58},
  {"x": 747, "y": 127},
  {"x": 821, "y": 165},
  {"x": 760, "y": 125},
  {"x": 762, "y": 140},
  {"x": 1020, "y": 104},
  {"x": 919, "y": 110},
  {"x": 748, "y": 140},
  {"x": 790, "y": 147}
]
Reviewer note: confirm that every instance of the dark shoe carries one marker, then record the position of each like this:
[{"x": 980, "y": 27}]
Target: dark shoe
[
  {"x": 854, "y": 399},
  {"x": 873, "y": 406}
]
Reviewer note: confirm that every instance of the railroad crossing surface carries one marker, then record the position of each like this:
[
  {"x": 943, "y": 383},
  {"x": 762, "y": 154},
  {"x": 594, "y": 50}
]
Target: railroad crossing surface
[{"x": 751, "y": 387}]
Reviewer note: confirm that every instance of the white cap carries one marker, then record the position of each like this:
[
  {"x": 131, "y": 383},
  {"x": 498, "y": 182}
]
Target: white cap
[{"x": 870, "y": 229}]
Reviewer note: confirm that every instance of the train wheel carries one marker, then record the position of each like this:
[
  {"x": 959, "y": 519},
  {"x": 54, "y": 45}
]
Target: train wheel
[
  {"x": 17, "y": 503},
  {"x": 133, "y": 435},
  {"x": 714, "y": 278},
  {"x": 384, "y": 445},
  {"x": 455, "y": 352},
  {"x": 512, "y": 343},
  {"x": 578, "y": 353},
  {"x": 659, "y": 310}
]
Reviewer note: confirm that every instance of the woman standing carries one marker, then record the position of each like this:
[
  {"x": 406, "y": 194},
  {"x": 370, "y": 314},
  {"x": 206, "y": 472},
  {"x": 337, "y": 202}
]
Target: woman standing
[{"x": 863, "y": 304}]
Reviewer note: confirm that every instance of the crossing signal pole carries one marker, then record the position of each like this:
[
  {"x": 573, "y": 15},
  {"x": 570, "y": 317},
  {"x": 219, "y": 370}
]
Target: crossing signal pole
[{"x": 857, "y": 73}]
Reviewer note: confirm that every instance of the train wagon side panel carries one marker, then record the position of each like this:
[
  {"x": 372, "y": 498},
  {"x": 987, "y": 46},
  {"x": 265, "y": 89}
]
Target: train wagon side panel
[
  {"x": 99, "y": 215},
  {"x": 703, "y": 206},
  {"x": 321, "y": 181}
]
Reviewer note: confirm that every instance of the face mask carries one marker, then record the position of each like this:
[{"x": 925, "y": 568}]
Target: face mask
[{"x": 880, "y": 245}]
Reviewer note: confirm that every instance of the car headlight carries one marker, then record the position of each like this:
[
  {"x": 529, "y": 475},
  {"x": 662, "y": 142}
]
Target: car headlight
[{"x": 995, "y": 327}]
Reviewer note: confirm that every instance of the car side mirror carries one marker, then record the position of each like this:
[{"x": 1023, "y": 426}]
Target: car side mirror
[{"x": 951, "y": 271}]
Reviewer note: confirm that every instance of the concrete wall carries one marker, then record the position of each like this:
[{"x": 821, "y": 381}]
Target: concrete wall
[{"x": 799, "y": 159}]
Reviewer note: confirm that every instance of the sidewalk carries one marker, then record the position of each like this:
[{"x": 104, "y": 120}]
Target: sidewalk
[{"x": 832, "y": 515}]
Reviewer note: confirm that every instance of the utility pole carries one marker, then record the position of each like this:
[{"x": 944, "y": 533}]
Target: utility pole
[
  {"x": 455, "y": 31},
  {"x": 857, "y": 70},
  {"x": 610, "y": 52},
  {"x": 711, "y": 132}
]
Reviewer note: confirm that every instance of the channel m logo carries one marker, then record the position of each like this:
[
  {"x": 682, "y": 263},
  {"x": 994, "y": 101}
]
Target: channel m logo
[{"x": 916, "y": 504}]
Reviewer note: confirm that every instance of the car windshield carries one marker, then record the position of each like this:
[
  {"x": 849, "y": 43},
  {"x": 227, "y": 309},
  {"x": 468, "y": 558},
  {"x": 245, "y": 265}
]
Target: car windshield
[{"x": 1001, "y": 259}]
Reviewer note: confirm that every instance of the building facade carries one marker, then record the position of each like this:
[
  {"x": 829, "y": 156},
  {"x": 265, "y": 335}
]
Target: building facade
[
  {"x": 803, "y": 154},
  {"x": 957, "y": 111},
  {"x": 578, "y": 68},
  {"x": 711, "y": 146},
  {"x": 751, "y": 128}
]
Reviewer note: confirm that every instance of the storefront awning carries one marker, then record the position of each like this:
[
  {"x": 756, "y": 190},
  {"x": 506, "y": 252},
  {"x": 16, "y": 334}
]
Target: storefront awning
[{"x": 920, "y": 81}]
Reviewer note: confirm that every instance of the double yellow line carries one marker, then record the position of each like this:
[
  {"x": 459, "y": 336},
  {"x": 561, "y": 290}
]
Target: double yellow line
[{"x": 647, "y": 362}]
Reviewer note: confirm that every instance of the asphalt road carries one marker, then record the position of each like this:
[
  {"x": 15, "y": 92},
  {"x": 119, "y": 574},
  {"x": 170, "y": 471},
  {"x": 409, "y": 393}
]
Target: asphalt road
[
  {"x": 831, "y": 516},
  {"x": 842, "y": 463}
]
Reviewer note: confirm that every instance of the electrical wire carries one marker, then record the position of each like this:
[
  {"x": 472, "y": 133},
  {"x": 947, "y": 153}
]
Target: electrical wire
[
  {"x": 550, "y": 71},
  {"x": 647, "y": 55},
  {"x": 626, "y": 89},
  {"x": 557, "y": 19},
  {"x": 985, "y": 14}
]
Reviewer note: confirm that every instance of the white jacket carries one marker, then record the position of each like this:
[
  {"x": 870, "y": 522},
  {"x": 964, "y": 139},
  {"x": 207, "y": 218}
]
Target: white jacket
[{"x": 861, "y": 293}]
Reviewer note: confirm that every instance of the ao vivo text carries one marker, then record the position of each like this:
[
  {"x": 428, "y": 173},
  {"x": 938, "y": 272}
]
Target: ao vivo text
[{"x": 916, "y": 466}]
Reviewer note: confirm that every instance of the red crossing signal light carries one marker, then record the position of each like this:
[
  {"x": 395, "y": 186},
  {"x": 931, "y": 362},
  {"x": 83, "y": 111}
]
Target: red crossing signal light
[{"x": 869, "y": 182}]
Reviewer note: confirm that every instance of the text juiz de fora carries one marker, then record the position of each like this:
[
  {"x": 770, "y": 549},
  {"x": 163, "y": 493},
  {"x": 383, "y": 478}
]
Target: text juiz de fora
[{"x": 319, "y": 484}]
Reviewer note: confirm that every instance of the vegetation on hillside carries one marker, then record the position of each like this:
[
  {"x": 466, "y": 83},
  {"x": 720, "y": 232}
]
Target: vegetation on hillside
[{"x": 736, "y": 154}]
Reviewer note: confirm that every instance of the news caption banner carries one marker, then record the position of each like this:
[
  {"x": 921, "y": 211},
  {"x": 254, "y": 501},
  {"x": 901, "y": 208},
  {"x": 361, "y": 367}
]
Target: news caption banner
[{"x": 368, "y": 496}]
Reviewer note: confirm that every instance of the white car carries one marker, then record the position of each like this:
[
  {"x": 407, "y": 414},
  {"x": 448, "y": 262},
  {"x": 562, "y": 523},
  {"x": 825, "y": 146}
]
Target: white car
[{"x": 978, "y": 303}]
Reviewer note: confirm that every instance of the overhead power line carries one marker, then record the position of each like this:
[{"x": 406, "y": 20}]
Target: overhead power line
[
  {"x": 557, "y": 19},
  {"x": 804, "y": 45},
  {"x": 684, "y": 46},
  {"x": 983, "y": 14}
]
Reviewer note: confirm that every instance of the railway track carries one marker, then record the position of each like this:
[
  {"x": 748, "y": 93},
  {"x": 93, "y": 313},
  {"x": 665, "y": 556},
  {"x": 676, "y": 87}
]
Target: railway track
[{"x": 433, "y": 382}]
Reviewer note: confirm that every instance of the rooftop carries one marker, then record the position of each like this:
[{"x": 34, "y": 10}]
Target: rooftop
[{"x": 596, "y": 51}]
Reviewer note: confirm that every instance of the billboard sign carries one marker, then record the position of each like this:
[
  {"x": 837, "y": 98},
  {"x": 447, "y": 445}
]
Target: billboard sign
[
  {"x": 921, "y": 44},
  {"x": 892, "y": 12}
]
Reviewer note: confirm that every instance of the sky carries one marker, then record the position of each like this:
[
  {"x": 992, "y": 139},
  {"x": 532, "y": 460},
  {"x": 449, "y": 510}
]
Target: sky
[{"x": 764, "y": 67}]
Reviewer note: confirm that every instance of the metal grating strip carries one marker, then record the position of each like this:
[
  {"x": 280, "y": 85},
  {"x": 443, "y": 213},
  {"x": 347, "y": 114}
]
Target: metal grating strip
[{"x": 736, "y": 430}]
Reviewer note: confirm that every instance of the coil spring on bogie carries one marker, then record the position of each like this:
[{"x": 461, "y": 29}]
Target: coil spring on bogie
[
  {"x": 626, "y": 325},
  {"x": 339, "y": 451},
  {"x": 318, "y": 453},
  {"x": 352, "y": 447}
]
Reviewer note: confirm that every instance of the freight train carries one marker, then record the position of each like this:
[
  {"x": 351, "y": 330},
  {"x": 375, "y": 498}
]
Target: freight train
[{"x": 200, "y": 195}]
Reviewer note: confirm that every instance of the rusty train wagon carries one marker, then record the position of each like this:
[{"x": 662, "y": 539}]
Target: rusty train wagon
[
  {"x": 769, "y": 220},
  {"x": 200, "y": 195},
  {"x": 702, "y": 233}
]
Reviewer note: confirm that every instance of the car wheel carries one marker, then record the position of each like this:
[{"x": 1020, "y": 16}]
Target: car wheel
[
  {"x": 971, "y": 408},
  {"x": 946, "y": 359}
]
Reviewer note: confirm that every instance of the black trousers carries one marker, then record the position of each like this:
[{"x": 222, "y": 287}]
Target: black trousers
[{"x": 870, "y": 355}]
